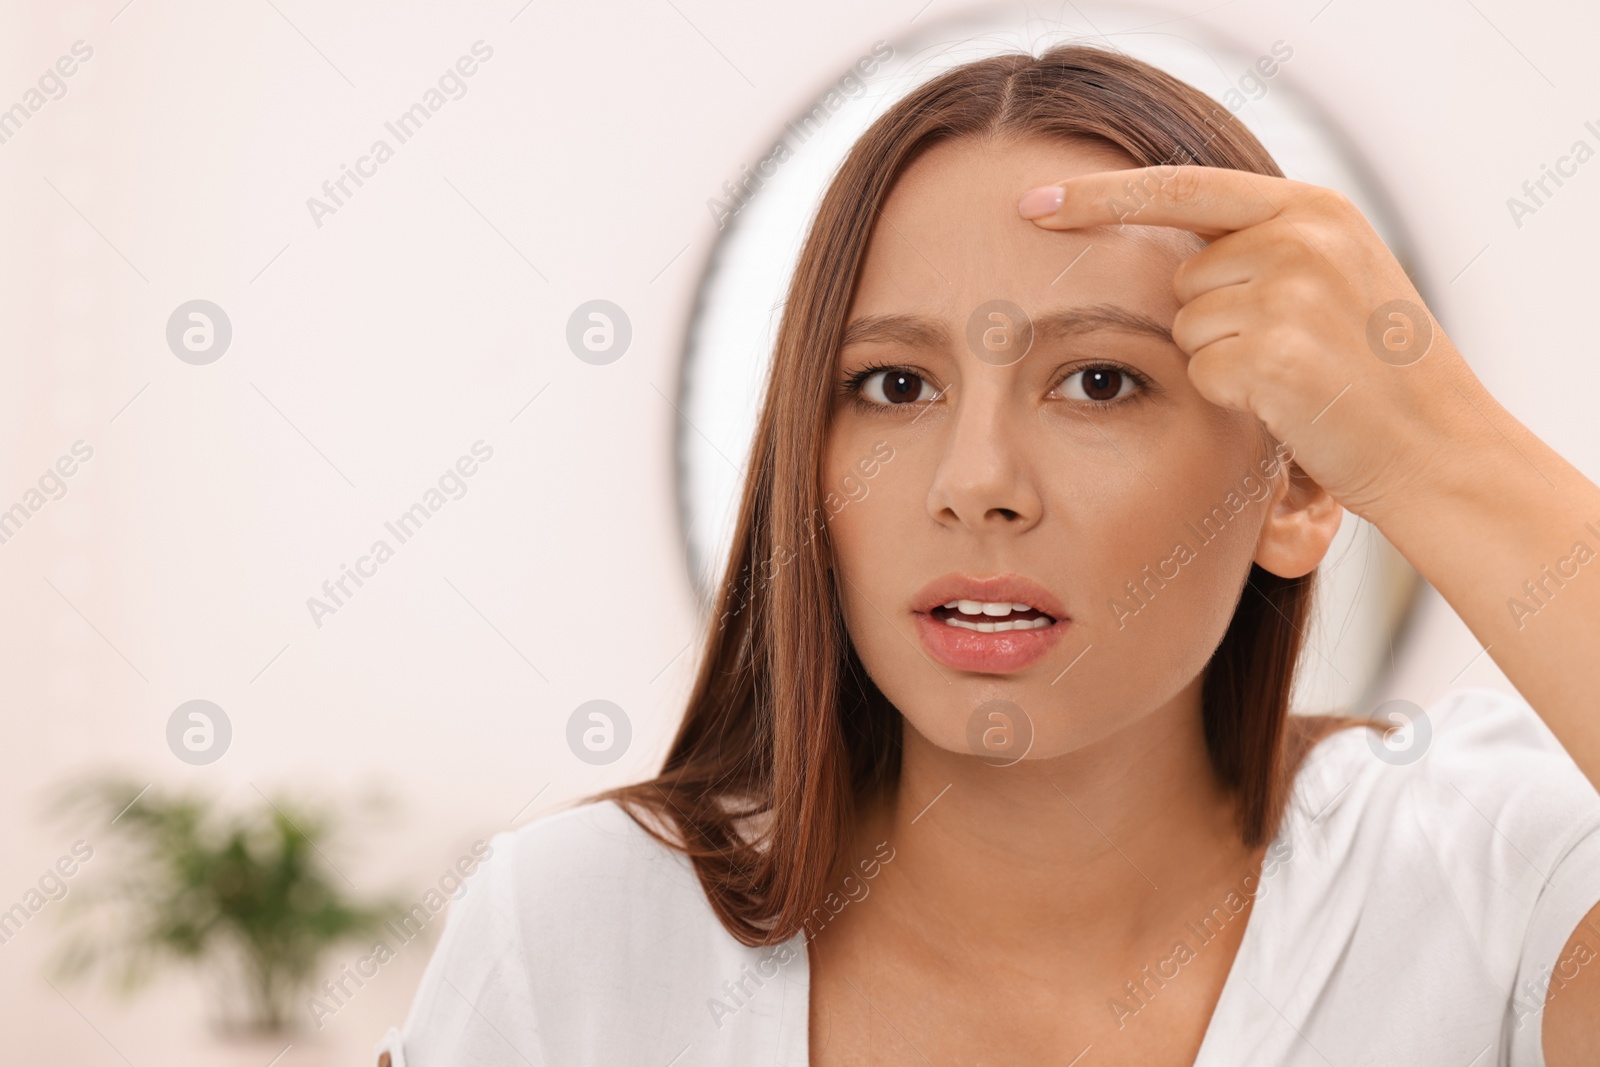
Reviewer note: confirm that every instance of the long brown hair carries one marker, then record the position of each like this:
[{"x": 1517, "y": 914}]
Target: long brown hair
[{"x": 785, "y": 733}]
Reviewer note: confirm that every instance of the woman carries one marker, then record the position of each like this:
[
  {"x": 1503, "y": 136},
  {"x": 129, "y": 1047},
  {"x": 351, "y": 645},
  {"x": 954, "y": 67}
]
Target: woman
[{"x": 988, "y": 758}]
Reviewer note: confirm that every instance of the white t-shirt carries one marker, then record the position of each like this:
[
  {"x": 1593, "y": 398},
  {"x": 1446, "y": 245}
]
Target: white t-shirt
[{"x": 1415, "y": 916}]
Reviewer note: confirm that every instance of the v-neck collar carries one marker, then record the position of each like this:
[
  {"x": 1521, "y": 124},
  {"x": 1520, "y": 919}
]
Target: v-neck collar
[
  {"x": 1246, "y": 961},
  {"x": 796, "y": 1050},
  {"x": 1244, "y": 958}
]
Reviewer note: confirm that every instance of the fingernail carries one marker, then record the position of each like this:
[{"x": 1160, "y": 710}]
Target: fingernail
[{"x": 1045, "y": 200}]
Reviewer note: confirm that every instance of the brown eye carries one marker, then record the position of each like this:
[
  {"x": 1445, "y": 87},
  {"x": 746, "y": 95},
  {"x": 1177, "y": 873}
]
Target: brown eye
[
  {"x": 894, "y": 387},
  {"x": 1097, "y": 384}
]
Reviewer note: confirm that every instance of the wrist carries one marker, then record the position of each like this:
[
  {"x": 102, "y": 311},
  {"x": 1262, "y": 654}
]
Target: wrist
[{"x": 1480, "y": 481}]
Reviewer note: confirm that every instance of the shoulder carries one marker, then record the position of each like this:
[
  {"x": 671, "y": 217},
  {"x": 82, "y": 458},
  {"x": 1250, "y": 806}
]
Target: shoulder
[
  {"x": 594, "y": 879},
  {"x": 539, "y": 924},
  {"x": 1475, "y": 766},
  {"x": 1434, "y": 872},
  {"x": 583, "y": 938},
  {"x": 1467, "y": 823},
  {"x": 600, "y": 903},
  {"x": 1494, "y": 775},
  {"x": 1469, "y": 805},
  {"x": 592, "y": 856}
]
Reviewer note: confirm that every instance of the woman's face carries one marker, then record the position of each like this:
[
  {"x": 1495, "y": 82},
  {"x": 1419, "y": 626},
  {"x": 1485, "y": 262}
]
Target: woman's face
[{"x": 1083, "y": 462}]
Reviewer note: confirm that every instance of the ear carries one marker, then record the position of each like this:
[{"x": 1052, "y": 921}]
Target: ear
[{"x": 1302, "y": 519}]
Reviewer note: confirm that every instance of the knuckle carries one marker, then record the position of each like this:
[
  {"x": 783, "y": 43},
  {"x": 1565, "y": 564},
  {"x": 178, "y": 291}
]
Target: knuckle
[
  {"x": 1297, "y": 249},
  {"x": 1203, "y": 368},
  {"x": 1183, "y": 325},
  {"x": 1216, "y": 375},
  {"x": 1295, "y": 284},
  {"x": 1184, "y": 185},
  {"x": 1183, "y": 280},
  {"x": 1303, "y": 291},
  {"x": 1281, "y": 337},
  {"x": 1333, "y": 203}
]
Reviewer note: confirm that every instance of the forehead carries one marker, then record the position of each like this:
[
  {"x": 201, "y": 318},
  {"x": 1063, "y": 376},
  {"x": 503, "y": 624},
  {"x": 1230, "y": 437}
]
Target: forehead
[{"x": 949, "y": 237}]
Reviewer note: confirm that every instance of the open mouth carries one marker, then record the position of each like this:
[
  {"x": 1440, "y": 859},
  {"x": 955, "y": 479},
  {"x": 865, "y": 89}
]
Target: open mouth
[
  {"x": 991, "y": 617},
  {"x": 989, "y": 625}
]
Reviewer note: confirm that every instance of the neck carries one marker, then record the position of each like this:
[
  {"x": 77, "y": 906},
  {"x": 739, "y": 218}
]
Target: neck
[{"x": 1094, "y": 851}]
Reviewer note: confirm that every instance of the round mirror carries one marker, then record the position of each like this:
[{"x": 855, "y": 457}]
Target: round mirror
[{"x": 1365, "y": 587}]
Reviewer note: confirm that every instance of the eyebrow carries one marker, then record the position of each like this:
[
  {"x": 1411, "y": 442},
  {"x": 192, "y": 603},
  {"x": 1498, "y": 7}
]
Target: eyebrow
[{"x": 917, "y": 331}]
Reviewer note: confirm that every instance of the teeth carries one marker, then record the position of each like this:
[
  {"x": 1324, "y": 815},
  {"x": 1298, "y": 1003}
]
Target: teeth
[
  {"x": 1000, "y": 627},
  {"x": 968, "y": 614},
  {"x": 985, "y": 607}
]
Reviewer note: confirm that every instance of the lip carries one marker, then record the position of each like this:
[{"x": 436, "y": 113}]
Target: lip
[{"x": 991, "y": 653}]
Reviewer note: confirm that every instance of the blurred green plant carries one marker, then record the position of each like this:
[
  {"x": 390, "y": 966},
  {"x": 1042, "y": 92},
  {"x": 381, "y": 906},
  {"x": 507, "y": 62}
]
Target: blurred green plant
[{"x": 245, "y": 894}]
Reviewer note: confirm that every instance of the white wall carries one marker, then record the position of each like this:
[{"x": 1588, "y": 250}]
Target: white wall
[{"x": 372, "y": 351}]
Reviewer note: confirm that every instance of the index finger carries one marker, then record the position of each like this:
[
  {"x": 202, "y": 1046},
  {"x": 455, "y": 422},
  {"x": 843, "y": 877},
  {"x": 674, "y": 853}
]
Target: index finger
[{"x": 1209, "y": 201}]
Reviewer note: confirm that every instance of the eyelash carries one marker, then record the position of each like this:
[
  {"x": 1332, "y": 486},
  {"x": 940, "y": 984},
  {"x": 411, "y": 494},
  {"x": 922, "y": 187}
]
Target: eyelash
[{"x": 851, "y": 386}]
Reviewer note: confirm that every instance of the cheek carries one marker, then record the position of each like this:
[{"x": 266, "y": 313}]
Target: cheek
[
  {"x": 1148, "y": 545},
  {"x": 876, "y": 538},
  {"x": 1152, "y": 561},
  {"x": 869, "y": 522},
  {"x": 1164, "y": 568}
]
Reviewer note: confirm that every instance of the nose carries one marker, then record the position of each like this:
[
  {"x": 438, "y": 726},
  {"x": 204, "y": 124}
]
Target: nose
[{"x": 986, "y": 480}]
